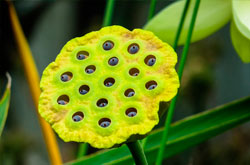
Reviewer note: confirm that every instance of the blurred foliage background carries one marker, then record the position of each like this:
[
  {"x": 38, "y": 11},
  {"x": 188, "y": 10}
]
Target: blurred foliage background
[{"x": 213, "y": 75}]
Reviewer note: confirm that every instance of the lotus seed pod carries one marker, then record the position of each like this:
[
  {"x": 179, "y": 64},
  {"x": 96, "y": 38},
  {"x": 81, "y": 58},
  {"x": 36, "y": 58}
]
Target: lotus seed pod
[{"x": 107, "y": 87}]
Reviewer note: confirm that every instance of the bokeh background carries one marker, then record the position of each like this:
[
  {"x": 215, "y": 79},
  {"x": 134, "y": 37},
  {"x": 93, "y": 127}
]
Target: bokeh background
[{"x": 213, "y": 75}]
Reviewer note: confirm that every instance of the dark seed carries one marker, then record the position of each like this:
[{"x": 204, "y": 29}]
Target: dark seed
[
  {"x": 134, "y": 72},
  {"x": 109, "y": 82},
  {"x": 150, "y": 60},
  {"x": 104, "y": 122},
  {"x": 133, "y": 48},
  {"x": 102, "y": 103},
  {"x": 82, "y": 55},
  {"x": 151, "y": 85},
  {"x": 66, "y": 76},
  {"x": 108, "y": 45},
  {"x": 78, "y": 116},
  {"x": 90, "y": 69},
  {"x": 131, "y": 112},
  {"x": 113, "y": 61},
  {"x": 63, "y": 100},
  {"x": 129, "y": 92},
  {"x": 83, "y": 89}
]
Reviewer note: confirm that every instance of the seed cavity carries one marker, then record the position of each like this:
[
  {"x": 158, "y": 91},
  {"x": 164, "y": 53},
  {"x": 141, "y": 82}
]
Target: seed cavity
[
  {"x": 109, "y": 82},
  {"x": 129, "y": 92},
  {"x": 102, "y": 102},
  {"x": 66, "y": 76},
  {"x": 104, "y": 122},
  {"x": 134, "y": 72},
  {"x": 150, "y": 60},
  {"x": 82, "y": 55},
  {"x": 151, "y": 85},
  {"x": 131, "y": 112},
  {"x": 63, "y": 100},
  {"x": 108, "y": 45},
  {"x": 133, "y": 48},
  {"x": 84, "y": 89},
  {"x": 113, "y": 61},
  {"x": 90, "y": 69},
  {"x": 78, "y": 116}
]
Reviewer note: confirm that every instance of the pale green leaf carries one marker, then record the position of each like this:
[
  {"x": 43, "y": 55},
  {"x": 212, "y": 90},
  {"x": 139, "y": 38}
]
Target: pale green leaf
[
  {"x": 4, "y": 104},
  {"x": 241, "y": 14},
  {"x": 183, "y": 134},
  {"x": 240, "y": 43},
  {"x": 212, "y": 15}
]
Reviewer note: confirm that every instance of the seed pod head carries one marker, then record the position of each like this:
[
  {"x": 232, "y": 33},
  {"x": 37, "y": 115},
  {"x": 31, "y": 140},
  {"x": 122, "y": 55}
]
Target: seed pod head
[{"x": 105, "y": 88}]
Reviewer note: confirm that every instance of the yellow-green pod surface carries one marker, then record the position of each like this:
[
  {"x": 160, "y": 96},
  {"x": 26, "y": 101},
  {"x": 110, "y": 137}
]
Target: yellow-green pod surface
[{"x": 107, "y": 86}]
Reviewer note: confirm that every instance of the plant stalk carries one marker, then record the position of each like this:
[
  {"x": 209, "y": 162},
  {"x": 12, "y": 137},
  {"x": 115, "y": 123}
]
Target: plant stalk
[
  {"x": 108, "y": 13},
  {"x": 184, "y": 13},
  {"x": 151, "y": 9},
  {"x": 137, "y": 153},
  {"x": 180, "y": 71},
  {"x": 183, "y": 16},
  {"x": 82, "y": 150}
]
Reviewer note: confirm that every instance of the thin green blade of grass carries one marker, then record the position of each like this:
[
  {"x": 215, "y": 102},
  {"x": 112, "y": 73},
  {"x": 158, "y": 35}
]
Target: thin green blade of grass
[
  {"x": 180, "y": 26},
  {"x": 4, "y": 104},
  {"x": 183, "y": 134},
  {"x": 108, "y": 13},
  {"x": 151, "y": 9},
  {"x": 180, "y": 71}
]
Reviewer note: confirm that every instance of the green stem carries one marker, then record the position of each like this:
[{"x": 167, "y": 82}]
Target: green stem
[
  {"x": 150, "y": 15},
  {"x": 180, "y": 71},
  {"x": 184, "y": 13},
  {"x": 82, "y": 150},
  {"x": 183, "y": 16},
  {"x": 186, "y": 46},
  {"x": 137, "y": 153},
  {"x": 151, "y": 9},
  {"x": 106, "y": 22},
  {"x": 108, "y": 13}
]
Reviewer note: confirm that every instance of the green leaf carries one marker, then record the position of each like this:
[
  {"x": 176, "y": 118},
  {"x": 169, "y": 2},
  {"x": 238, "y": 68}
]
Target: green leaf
[
  {"x": 241, "y": 14},
  {"x": 240, "y": 43},
  {"x": 4, "y": 104},
  {"x": 212, "y": 15},
  {"x": 183, "y": 134}
]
